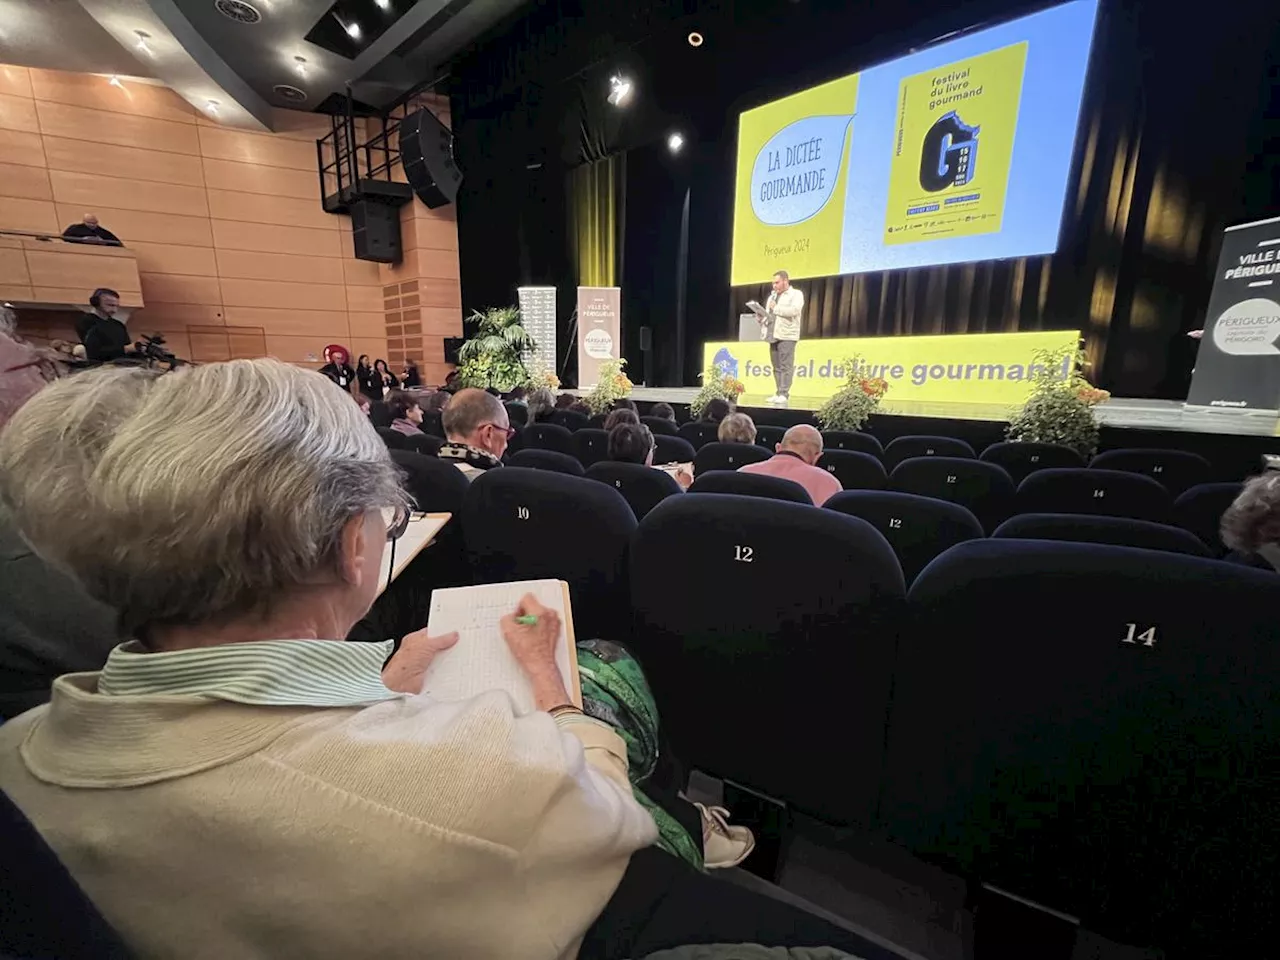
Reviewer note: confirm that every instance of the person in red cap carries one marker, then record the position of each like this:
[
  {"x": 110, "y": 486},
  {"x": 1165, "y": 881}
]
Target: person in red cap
[{"x": 337, "y": 365}]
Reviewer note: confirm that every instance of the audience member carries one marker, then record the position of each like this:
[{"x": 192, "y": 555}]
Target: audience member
[
  {"x": 579, "y": 406},
  {"x": 105, "y": 338},
  {"x": 411, "y": 378},
  {"x": 337, "y": 366},
  {"x": 363, "y": 402},
  {"x": 631, "y": 443},
  {"x": 565, "y": 400},
  {"x": 435, "y": 402},
  {"x": 617, "y": 417},
  {"x": 800, "y": 449},
  {"x": 451, "y": 381},
  {"x": 384, "y": 378},
  {"x": 22, "y": 369},
  {"x": 517, "y": 395},
  {"x": 1251, "y": 525},
  {"x": 368, "y": 381},
  {"x": 663, "y": 410},
  {"x": 89, "y": 230},
  {"x": 239, "y": 739},
  {"x": 541, "y": 404},
  {"x": 716, "y": 410},
  {"x": 477, "y": 431},
  {"x": 626, "y": 403},
  {"x": 405, "y": 412},
  {"x": 737, "y": 428},
  {"x": 493, "y": 392}
]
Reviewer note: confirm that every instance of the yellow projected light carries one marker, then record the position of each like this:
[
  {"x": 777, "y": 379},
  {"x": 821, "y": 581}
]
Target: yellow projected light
[{"x": 792, "y": 173}]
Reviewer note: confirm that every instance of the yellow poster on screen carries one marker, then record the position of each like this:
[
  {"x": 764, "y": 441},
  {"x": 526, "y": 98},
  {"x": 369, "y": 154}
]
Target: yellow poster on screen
[
  {"x": 953, "y": 147},
  {"x": 978, "y": 368},
  {"x": 791, "y": 181}
]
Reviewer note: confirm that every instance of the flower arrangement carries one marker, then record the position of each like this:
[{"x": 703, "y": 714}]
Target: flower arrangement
[
  {"x": 613, "y": 385},
  {"x": 494, "y": 357},
  {"x": 715, "y": 383},
  {"x": 541, "y": 379},
  {"x": 1060, "y": 410},
  {"x": 853, "y": 403}
]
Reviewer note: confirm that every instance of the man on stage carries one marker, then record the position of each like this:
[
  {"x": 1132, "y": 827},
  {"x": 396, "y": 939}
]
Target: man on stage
[{"x": 782, "y": 330}]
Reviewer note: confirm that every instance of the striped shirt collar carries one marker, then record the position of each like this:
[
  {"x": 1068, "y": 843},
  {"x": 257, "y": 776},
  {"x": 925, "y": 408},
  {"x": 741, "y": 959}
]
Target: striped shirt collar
[{"x": 280, "y": 673}]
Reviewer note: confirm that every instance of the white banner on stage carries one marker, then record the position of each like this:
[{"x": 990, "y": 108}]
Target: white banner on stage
[{"x": 538, "y": 316}]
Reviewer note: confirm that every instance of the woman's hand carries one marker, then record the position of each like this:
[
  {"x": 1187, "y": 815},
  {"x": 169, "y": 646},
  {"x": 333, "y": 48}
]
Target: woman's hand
[
  {"x": 684, "y": 477},
  {"x": 534, "y": 647},
  {"x": 407, "y": 669}
]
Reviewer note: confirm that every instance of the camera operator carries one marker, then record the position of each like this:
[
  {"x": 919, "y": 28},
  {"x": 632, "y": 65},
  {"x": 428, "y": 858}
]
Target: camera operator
[{"x": 105, "y": 338}]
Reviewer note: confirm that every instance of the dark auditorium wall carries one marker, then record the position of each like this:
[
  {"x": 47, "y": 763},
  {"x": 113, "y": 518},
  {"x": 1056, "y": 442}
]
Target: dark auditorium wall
[
  {"x": 235, "y": 254},
  {"x": 1177, "y": 139}
]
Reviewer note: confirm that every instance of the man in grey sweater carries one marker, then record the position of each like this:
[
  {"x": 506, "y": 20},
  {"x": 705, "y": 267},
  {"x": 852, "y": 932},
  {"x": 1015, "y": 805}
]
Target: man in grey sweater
[{"x": 783, "y": 311}]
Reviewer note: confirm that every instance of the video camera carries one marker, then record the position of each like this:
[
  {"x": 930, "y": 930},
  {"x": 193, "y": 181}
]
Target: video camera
[{"x": 152, "y": 350}]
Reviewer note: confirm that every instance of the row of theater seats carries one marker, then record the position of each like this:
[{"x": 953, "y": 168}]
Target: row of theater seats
[{"x": 1094, "y": 727}]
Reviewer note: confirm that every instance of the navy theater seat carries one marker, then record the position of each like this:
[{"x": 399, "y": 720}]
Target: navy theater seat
[
  {"x": 855, "y": 471},
  {"x": 590, "y": 445},
  {"x": 1117, "y": 531},
  {"x": 699, "y": 432},
  {"x": 769, "y": 436},
  {"x": 394, "y": 439},
  {"x": 1023, "y": 459},
  {"x": 1104, "y": 493},
  {"x": 1200, "y": 509},
  {"x": 535, "y": 524},
  {"x": 517, "y": 414},
  {"x": 750, "y": 485},
  {"x": 918, "y": 528},
  {"x": 596, "y": 422},
  {"x": 672, "y": 450},
  {"x": 1096, "y": 728},
  {"x": 432, "y": 423},
  {"x": 661, "y": 426},
  {"x": 905, "y": 448},
  {"x": 546, "y": 460},
  {"x": 547, "y": 436},
  {"x": 642, "y": 487},
  {"x": 854, "y": 440},
  {"x": 437, "y": 486},
  {"x": 759, "y": 623},
  {"x": 984, "y": 488},
  {"x": 379, "y": 415},
  {"x": 569, "y": 419},
  {"x": 727, "y": 456},
  {"x": 1175, "y": 470}
]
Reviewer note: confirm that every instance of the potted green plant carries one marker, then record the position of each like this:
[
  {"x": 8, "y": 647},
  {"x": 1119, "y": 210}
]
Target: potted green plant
[
  {"x": 1060, "y": 409},
  {"x": 494, "y": 355},
  {"x": 613, "y": 384},
  {"x": 851, "y": 406},
  {"x": 715, "y": 383}
]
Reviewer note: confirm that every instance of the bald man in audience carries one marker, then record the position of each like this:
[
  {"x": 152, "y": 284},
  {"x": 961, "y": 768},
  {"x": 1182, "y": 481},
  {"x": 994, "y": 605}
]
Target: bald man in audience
[
  {"x": 796, "y": 456},
  {"x": 477, "y": 430}
]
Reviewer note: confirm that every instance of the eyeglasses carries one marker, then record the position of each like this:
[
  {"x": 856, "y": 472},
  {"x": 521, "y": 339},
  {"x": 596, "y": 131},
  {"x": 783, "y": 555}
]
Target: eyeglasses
[
  {"x": 397, "y": 521},
  {"x": 509, "y": 431}
]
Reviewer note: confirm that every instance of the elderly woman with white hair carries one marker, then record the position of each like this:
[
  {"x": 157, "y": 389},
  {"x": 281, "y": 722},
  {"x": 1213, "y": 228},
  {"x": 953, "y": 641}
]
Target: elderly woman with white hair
[{"x": 237, "y": 782}]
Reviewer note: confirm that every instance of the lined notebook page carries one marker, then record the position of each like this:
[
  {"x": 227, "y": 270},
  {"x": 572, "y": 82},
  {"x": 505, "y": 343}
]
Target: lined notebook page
[{"x": 481, "y": 660}]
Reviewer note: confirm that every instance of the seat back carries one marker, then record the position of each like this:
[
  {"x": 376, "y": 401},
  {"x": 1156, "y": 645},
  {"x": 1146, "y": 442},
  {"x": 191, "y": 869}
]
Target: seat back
[
  {"x": 432, "y": 424},
  {"x": 546, "y": 460},
  {"x": 661, "y": 426},
  {"x": 672, "y": 449},
  {"x": 517, "y": 414},
  {"x": 422, "y": 443},
  {"x": 535, "y": 524},
  {"x": 727, "y": 456},
  {"x": 855, "y": 471},
  {"x": 642, "y": 487},
  {"x": 918, "y": 528},
  {"x": 1200, "y": 509},
  {"x": 1104, "y": 493},
  {"x": 437, "y": 486},
  {"x": 1175, "y": 470},
  {"x": 906, "y": 448},
  {"x": 1096, "y": 728},
  {"x": 379, "y": 415},
  {"x": 547, "y": 436},
  {"x": 854, "y": 440},
  {"x": 768, "y": 436},
  {"x": 740, "y": 601},
  {"x": 699, "y": 432},
  {"x": 750, "y": 485},
  {"x": 1023, "y": 459},
  {"x": 569, "y": 419},
  {"x": 596, "y": 421},
  {"x": 590, "y": 445},
  {"x": 1116, "y": 531},
  {"x": 394, "y": 439},
  {"x": 984, "y": 488}
]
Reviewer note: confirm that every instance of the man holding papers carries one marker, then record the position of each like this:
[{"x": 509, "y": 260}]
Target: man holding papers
[{"x": 780, "y": 326}]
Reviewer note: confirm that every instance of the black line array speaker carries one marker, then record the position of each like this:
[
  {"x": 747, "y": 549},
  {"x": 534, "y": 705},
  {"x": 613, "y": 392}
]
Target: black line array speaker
[
  {"x": 375, "y": 229},
  {"x": 426, "y": 153}
]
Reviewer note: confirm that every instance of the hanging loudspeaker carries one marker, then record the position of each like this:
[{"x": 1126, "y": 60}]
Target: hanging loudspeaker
[{"x": 426, "y": 153}]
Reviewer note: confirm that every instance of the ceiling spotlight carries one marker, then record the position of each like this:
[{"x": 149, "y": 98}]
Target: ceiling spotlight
[
  {"x": 675, "y": 142},
  {"x": 142, "y": 44},
  {"x": 619, "y": 90},
  {"x": 212, "y": 106},
  {"x": 300, "y": 63},
  {"x": 695, "y": 39},
  {"x": 353, "y": 30},
  {"x": 115, "y": 82},
  {"x": 383, "y": 4}
]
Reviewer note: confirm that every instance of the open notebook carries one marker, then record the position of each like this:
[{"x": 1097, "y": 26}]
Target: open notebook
[{"x": 481, "y": 660}]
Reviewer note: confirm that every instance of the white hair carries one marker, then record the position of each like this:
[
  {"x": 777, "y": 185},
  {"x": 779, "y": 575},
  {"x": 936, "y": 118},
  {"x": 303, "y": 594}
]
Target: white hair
[{"x": 195, "y": 496}]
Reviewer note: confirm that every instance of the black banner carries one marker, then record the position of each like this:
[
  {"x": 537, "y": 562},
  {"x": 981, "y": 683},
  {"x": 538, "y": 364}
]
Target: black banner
[{"x": 1239, "y": 361}]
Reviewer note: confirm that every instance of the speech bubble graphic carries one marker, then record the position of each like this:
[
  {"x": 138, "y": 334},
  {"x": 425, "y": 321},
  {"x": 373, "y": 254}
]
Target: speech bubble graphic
[
  {"x": 795, "y": 171},
  {"x": 1248, "y": 328}
]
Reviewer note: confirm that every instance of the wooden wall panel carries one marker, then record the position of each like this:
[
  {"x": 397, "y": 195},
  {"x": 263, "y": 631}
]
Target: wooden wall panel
[
  {"x": 20, "y": 214},
  {"x": 177, "y": 258},
  {"x": 89, "y": 190},
  {"x": 242, "y": 265},
  {"x": 271, "y": 238},
  {"x": 134, "y": 163},
  {"x": 17, "y": 180},
  {"x": 79, "y": 123},
  {"x": 255, "y": 178},
  {"x": 282, "y": 211},
  {"x": 281, "y": 295},
  {"x": 224, "y": 144},
  {"x": 133, "y": 225},
  {"x": 133, "y": 99},
  {"x": 289, "y": 321},
  {"x": 15, "y": 81},
  {"x": 17, "y": 113},
  {"x": 23, "y": 148}
]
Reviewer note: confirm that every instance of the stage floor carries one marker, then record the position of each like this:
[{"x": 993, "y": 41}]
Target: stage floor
[{"x": 1118, "y": 412}]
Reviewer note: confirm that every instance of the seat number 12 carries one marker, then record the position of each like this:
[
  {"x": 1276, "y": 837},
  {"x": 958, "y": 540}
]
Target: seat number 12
[{"x": 743, "y": 554}]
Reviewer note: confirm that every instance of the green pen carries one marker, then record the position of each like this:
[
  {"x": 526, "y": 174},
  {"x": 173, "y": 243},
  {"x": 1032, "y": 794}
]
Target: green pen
[{"x": 527, "y": 621}]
